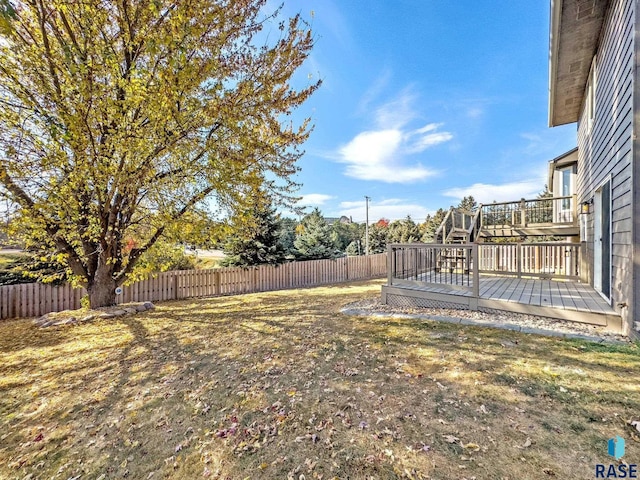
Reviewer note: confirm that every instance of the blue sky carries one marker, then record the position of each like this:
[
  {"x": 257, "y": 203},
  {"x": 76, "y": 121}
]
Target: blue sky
[{"x": 425, "y": 101}]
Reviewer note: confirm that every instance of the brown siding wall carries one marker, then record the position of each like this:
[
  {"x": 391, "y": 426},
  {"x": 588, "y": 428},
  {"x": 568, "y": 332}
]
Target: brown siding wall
[{"x": 605, "y": 150}]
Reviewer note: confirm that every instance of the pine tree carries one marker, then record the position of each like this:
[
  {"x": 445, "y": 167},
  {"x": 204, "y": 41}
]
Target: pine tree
[
  {"x": 431, "y": 224},
  {"x": 287, "y": 235},
  {"x": 378, "y": 238},
  {"x": 468, "y": 204},
  {"x": 403, "y": 231},
  {"x": 313, "y": 238},
  {"x": 255, "y": 238},
  {"x": 355, "y": 248}
]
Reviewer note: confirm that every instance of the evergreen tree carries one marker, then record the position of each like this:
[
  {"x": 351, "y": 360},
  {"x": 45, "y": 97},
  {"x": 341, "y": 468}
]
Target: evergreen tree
[
  {"x": 313, "y": 238},
  {"x": 431, "y": 224},
  {"x": 287, "y": 235},
  {"x": 344, "y": 234},
  {"x": 378, "y": 233},
  {"x": 255, "y": 238},
  {"x": 355, "y": 248},
  {"x": 468, "y": 204},
  {"x": 403, "y": 231}
]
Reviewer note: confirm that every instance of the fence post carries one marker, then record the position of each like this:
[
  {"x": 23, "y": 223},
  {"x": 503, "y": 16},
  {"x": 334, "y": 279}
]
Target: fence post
[
  {"x": 523, "y": 215},
  {"x": 216, "y": 282}
]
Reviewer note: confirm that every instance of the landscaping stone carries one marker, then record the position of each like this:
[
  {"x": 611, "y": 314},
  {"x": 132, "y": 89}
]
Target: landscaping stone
[
  {"x": 40, "y": 320},
  {"x": 53, "y": 319},
  {"x": 488, "y": 318}
]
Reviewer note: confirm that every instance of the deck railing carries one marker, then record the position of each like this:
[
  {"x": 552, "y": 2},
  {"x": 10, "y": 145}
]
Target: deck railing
[
  {"x": 525, "y": 213},
  {"x": 460, "y": 266},
  {"x": 549, "y": 260},
  {"x": 432, "y": 264}
]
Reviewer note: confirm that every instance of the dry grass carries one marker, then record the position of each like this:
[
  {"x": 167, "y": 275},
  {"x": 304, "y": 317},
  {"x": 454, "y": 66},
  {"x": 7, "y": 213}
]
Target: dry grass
[{"x": 281, "y": 385}]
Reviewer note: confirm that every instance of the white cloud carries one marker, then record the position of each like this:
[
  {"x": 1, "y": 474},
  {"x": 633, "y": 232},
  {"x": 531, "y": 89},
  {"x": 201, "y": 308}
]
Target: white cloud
[
  {"x": 392, "y": 209},
  {"x": 396, "y": 113},
  {"x": 379, "y": 154},
  {"x": 487, "y": 193},
  {"x": 427, "y": 141},
  {"x": 313, "y": 199}
]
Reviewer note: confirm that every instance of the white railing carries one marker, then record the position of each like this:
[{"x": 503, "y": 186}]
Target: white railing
[
  {"x": 550, "y": 260},
  {"x": 460, "y": 266}
]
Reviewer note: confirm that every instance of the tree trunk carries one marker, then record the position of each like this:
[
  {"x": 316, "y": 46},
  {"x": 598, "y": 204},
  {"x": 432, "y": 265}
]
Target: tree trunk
[{"x": 102, "y": 290}]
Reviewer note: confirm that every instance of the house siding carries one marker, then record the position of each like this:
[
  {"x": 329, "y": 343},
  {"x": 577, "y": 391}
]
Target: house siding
[{"x": 605, "y": 149}]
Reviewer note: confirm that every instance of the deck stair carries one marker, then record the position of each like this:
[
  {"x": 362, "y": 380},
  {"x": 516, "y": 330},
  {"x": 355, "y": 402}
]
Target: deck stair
[{"x": 458, "y": 226}]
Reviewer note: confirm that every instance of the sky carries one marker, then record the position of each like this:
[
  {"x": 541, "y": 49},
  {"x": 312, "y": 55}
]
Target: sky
[{"x": 424, "y": 102}]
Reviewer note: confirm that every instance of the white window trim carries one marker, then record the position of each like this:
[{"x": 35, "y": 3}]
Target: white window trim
[{"x": 590, "y": 100}]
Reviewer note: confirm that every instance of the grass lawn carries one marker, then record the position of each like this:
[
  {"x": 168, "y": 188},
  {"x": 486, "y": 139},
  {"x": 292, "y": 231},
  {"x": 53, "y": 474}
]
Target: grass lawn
[{"x": 281, "y": 385}]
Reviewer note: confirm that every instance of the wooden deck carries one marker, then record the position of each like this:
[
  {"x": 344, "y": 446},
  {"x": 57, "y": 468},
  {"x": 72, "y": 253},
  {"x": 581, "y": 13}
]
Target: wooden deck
[{"x": 566, "y": 300}]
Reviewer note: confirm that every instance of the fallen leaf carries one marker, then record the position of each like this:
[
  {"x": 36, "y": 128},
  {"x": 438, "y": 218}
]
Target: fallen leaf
[
  {"x": 450, "y": 438},
  {"x": 635, "y": 424},
  {"x": 549, "y": 472},
  {"x": 472, "y": 446},
  {"x": 527, "y": 444}
]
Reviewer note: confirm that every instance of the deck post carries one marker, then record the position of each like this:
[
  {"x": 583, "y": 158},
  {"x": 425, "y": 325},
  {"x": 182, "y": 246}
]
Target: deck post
[
  {"x": 523, "y": 215},
  {"x": 391, "y": 265},
  {"x": 474, "y": 299},
  {"x": 476, "y": 270}
]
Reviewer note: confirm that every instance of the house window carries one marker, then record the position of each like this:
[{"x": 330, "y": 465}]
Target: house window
[{"x": 566, "y": 188}]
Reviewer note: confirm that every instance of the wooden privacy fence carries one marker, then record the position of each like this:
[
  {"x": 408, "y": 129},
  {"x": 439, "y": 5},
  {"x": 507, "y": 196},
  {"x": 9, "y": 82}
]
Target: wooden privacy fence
[{"x": 34, "y": 299}]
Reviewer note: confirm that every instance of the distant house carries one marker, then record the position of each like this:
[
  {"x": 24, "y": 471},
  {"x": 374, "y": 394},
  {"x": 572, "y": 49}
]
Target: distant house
[
  {"x": 342, "y": 219},
  {"x": 594, "y": 56}
]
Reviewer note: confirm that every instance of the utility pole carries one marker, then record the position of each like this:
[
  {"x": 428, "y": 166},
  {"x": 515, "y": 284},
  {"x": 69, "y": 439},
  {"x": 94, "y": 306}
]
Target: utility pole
[{"x": 366, "y": 227}]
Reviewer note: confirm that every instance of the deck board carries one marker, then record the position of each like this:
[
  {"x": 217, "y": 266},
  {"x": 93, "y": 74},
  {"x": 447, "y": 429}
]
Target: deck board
[
  {"x": 565, "y": 295},
  {"x": 568, "y": 300}
]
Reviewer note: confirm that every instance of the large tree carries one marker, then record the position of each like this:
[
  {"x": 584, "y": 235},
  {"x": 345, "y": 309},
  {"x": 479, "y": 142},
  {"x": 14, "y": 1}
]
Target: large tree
[
  {"x": 254, "y": 239},
  {"x": 118, "y": 117},
  {"x": 313, "y": 238}
]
